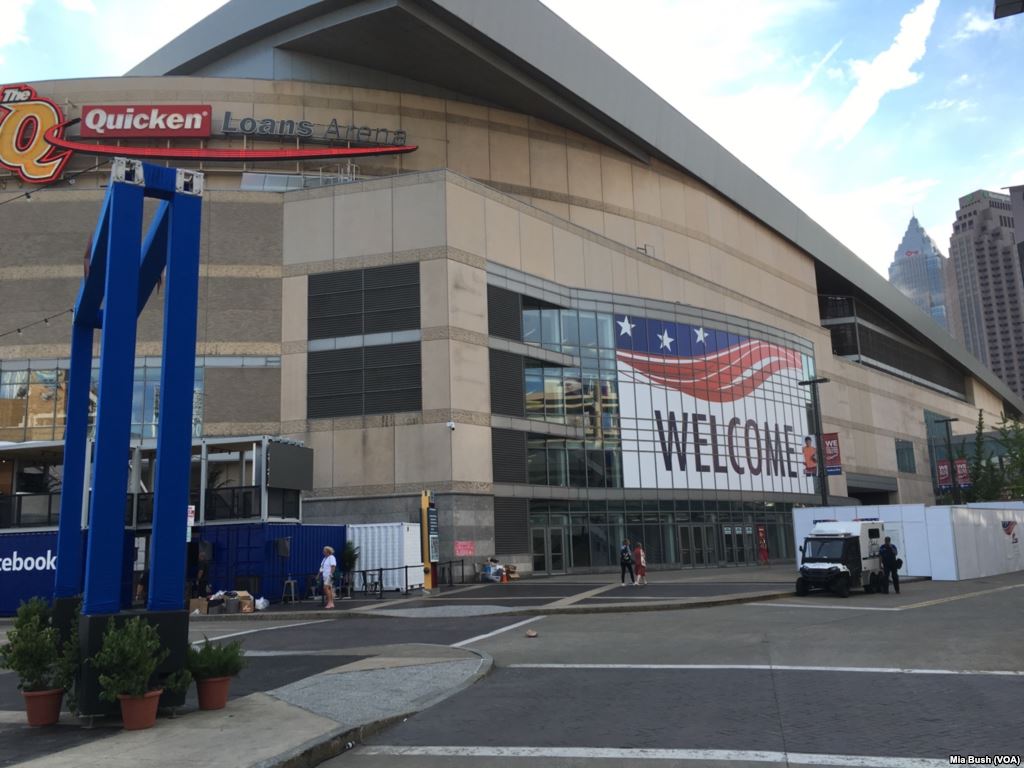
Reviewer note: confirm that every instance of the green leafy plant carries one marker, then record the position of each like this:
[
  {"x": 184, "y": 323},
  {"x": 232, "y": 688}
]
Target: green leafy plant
[
  {"x": 349, "y": 557},
  {"x": 69, "y": 665},
  {"x": 215, "y": 659},
  {"x": 32, "y": 649},
  {"x": 128, "y": 659}
]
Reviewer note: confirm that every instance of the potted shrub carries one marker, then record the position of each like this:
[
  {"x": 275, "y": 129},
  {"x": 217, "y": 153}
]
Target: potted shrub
[
  {"x": 349, "y": 558},
  {"x": 127, "y": 664},
  {"x": 33, "y": 652},
  {"x": 213, "y": 665}
]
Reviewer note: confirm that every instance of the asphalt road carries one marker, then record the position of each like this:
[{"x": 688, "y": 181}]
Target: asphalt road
[{"x": 898, "y": 681}]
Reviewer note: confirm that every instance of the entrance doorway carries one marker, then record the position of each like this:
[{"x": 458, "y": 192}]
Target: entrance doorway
[
  {"x": 548, "y": 548},
  {"x": 739, "y": 544},
  {"x": 697, "y": 546}
]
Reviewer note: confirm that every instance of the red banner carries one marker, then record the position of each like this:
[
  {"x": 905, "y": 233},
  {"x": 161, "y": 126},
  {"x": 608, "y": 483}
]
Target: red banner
[
  {"x": 942, "y": 471},
  {"x": 833, "y": 457},
  {"x": 963, "y": 473},
  {"x": 762, "y": 544}
]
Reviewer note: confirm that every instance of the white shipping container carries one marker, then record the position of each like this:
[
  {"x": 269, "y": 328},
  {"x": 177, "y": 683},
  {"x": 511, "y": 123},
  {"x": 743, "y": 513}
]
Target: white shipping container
[{"x": 389, "y": 545}]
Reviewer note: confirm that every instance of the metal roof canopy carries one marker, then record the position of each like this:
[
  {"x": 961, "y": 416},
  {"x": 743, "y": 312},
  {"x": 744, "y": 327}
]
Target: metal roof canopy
[
  {"x": 518, "y": 56},
  {"x": 52, "y": 451}
]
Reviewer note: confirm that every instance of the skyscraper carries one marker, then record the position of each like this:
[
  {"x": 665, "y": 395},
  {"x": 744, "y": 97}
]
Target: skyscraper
[
  {"x": 985, "y": 271},
  {"x": 917, "y": 271}
]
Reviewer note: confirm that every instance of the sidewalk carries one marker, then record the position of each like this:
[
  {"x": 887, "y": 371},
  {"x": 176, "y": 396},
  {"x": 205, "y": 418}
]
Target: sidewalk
[
  {"x": 542, "y": 595},
  {"x": 297, "y": 725}
]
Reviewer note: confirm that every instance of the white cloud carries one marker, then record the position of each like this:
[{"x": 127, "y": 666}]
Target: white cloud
[
  {"x": 886, "y": 206},
  {"x": 963, "y": 80},
  {"x": 836, "y": 73},
  {"x": 972, "y": 23},
  {"x": 80, "y": 6},
  {"x": 15, "y": 18},
  {"x": 888, "y": 71},
  {"x": 958, "y": 105}
]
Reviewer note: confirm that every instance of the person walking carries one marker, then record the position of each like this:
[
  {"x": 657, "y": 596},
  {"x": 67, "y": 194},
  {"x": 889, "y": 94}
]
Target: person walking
[
  {"x": 887, "y": 553},
  {"x": 626, "y": 562},
  {"x": 327, "y": 568},
  {"x": 640, "y": 560}
]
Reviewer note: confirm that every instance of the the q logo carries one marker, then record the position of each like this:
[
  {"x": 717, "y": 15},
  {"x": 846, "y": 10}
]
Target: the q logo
[{"x": 24, "y": 120}]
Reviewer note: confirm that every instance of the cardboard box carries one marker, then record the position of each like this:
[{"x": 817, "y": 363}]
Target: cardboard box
[
  {"x": 198, "y": 604},
  {"x": 247, "y": 603}
]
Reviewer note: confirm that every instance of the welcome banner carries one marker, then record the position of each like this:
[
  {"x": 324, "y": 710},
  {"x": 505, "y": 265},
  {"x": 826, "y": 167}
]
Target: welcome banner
[{"x": 702, "y": 408}]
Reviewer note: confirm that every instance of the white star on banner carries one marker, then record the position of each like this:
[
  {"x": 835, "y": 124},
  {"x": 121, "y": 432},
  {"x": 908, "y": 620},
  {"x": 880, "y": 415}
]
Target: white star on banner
[
  {"x": 666, "y": 340},
  {"x": 626, "y": 327},
  {"x": 701, "y": 335}
]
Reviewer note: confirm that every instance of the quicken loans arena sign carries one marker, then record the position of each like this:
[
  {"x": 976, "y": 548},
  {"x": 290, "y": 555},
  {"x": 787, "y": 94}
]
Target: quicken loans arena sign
[{"x": 33, "y": 143}]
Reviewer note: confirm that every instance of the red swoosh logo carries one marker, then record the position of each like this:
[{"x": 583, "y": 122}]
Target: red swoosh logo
[{"x": 206, "y": 153}]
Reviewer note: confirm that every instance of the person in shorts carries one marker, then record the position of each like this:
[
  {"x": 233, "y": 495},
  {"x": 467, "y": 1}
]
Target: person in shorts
[{"x": 327, "y": 568}]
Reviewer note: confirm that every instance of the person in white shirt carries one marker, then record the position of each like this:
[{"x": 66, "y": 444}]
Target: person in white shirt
[{"x": 327, "y": 566}]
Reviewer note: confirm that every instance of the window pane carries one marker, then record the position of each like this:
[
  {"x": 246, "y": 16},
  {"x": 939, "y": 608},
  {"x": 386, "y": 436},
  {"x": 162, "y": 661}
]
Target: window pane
[
  {"x": 605, "y": 332},
  {"x": 536, "y": 463},
  {"x": 551, "y": 332},
  {"x": 588, "y": 329},
  {"x": 531, "y": 326},
  {"x": 570, "y": 329},
  {"x": 535, "y": 393}
]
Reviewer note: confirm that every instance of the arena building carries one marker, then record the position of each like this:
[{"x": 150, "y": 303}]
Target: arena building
[{"x": 569, "y": 313}]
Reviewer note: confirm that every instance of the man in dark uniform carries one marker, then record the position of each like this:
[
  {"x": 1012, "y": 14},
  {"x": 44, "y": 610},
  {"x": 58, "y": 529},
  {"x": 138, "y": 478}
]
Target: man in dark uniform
[{"x": 887, "y": 554}]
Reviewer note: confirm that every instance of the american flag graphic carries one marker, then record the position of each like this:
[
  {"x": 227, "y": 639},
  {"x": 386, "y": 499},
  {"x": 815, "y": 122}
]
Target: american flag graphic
[{"x": 712, "y": 366}]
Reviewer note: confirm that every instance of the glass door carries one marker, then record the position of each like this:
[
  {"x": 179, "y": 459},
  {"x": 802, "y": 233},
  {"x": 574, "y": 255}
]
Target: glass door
[
  {"x": 538, "y": 547},
  {"x": 685, "y": 547},
  {"x": 556, "y": 550},
  {"x": 547, "y": 545}
]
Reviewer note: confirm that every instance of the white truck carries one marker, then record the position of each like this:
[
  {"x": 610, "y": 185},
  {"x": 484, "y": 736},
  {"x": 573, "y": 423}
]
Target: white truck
[{"x": 840, "y": 556}]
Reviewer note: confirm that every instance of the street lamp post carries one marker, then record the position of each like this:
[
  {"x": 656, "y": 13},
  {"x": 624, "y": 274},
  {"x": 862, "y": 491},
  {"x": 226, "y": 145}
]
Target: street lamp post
[
  {"x": 820, "y": 447},
  {"x": 949, "y": 456}
]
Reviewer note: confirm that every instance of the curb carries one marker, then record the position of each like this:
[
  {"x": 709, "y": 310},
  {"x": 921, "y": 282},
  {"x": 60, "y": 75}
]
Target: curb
[
  {"x": 660, "y": 606},
  {"x": 337, "y": 742},
  {"x": 624, "y": 607}
]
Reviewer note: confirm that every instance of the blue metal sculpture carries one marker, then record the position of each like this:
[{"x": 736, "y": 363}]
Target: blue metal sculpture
[{"x": 123, "y": 271}]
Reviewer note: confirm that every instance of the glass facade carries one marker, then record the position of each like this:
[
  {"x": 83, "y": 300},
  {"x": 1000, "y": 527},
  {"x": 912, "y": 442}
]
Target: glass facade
[
  {"x": 659, "y": 409},
  {"x": 667, "y": 402},
  {"x": 33, "y": 396},
  {"x": 682, "y": 533}
]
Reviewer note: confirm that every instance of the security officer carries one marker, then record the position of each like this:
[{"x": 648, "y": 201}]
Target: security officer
[{"x": 887, "y": 553}]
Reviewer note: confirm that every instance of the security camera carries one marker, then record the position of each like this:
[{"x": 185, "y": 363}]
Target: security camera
[{"x": 451, "y": 425}]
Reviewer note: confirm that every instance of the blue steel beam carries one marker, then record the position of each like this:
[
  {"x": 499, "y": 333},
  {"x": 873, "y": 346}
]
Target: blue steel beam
[
  {"x": 105, "y": 549},
  {"x": 68, "y": 579},
  {"x": 90, "y": 296},
  {"x": 154, "y": 254},
  {"x": 174, "y": 432}
]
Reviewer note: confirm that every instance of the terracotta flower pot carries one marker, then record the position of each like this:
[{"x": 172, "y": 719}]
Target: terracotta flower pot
[
  {"x": 43, "y": 707},
  {"x": 139, "y": 712},
  {"x": 213, "y": 692}
]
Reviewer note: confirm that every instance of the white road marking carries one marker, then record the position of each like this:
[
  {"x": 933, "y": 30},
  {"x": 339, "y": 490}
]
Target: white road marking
[
  {"x": 909, "y": 607},
  {"x": 263, "y": 629},
  {"x": 471, "y": 640},
  {"x": 779, "y": 668},
  {"x": 710, "y": 755},
  {"x": 822, "y": 607}
]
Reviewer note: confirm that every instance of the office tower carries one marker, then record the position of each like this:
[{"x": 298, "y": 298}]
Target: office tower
[
  {"x": 917, "y": 271},
  {"x": 985, "y": 269}
]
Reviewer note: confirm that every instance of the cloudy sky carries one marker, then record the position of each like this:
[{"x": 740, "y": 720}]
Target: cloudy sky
[{"x": 860, "y": 111}]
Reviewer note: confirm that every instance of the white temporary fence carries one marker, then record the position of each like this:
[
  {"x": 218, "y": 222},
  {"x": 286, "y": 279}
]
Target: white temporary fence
[
  {"x": 389, "y": 545},
  {"x": 943, "y": 543}
]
